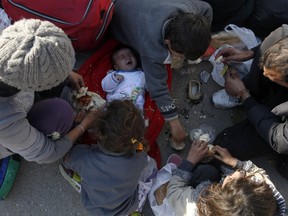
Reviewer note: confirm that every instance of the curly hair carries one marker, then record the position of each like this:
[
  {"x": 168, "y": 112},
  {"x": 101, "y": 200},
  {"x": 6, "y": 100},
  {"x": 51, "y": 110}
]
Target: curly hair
[
  {"x": 239, "y": 197},
  {"x": 189, "y": 34},
  {"x": 120, "y": 128},
  {"x": 276, "y": 58}
]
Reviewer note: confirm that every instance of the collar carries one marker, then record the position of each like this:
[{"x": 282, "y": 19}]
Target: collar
[{"x": 168, "y": 59}]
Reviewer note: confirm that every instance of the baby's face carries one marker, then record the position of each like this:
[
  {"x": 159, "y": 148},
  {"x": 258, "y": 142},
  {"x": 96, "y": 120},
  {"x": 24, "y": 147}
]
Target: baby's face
[{"x": 125, "y": 60}]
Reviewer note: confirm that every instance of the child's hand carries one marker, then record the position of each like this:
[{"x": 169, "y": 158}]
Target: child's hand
[
  {"x": 198, "y": 151},
  {"x": 91, "y": 116},
  {"x": 224, "y": 155},
  {"x": 119, "y": 77}
]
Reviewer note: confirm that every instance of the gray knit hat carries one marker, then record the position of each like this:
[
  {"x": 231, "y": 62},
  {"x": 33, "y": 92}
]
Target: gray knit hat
[{"x": 35, "y": 55}]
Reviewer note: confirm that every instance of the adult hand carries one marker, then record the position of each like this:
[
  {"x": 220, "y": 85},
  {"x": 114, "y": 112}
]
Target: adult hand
[
  {"x": 224, "y": 155},
  {"x": 233, "y": 84},
  {"x": 233, "y": 54},
  {"x": 198, "y": 150},
  {"x": 177, "y": 131},
  {"x": 76, "y": 80}
]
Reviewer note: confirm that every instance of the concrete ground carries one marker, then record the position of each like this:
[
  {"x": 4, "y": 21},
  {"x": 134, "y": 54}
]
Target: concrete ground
[{"x": 40, "y": 190}]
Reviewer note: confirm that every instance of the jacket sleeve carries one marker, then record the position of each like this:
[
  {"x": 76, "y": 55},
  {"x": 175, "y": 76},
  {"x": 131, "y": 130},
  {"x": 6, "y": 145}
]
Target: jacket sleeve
[
  {"x": 268, "y": 125},
  {"x": 110, "y": 82},
  {"x": 204, "y": 9},
  {"x": 180, "y": 194},
  {"x": 156, "y": 82},
  {"x": 33, "y": 145}
]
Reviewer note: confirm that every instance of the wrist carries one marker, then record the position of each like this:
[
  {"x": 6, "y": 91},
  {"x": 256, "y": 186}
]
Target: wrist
[
  {"x": 81, "y": 127},
  {"x": 243, "y": 95},
  {"x": 192, "y": 160},
  {"x": 233, "y": 162},
  {"x": 249, "y": 55}
]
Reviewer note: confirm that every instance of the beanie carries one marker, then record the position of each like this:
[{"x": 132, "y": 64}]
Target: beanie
[{"x": 35, "y": 55}]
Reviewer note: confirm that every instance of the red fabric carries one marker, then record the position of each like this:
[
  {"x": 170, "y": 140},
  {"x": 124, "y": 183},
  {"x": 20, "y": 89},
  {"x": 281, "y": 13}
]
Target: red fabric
[
  {"x": 84, "y": 21},
  {"x": 93, "y": 71}
]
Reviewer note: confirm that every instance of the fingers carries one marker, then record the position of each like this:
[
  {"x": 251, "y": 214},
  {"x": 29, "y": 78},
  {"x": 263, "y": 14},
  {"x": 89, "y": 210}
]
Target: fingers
[
  {"x": 219, "y": 149},
  {"x": 200, "y": 144}
]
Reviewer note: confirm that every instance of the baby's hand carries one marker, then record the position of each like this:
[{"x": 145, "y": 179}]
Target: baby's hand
[{"x": 119, "y": 77}]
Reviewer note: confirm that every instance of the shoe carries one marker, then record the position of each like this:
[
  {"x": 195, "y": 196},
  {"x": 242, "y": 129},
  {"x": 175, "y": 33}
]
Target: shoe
[
  {"x": 175, "y": 159},
  {"x": 222, "y": 100},
  {"x": 177, "y": 146},
  {"x": 194, "y": 91},
  {"x": 9, "y": 169},
  {"x": 72, "y": 177}
]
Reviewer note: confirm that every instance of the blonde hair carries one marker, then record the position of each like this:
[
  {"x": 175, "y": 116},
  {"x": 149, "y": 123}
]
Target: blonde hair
[{"x": 239, "y": 197}]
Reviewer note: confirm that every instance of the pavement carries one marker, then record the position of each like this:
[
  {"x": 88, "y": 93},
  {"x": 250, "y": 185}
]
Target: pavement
[{"x": 40, "y": 190}]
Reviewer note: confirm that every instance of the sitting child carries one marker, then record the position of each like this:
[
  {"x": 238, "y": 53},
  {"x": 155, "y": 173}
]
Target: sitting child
[
  {"x": 112, "y": 170},
  {"x": 126, "y": 82},
  {"x": 245, "y": 191}
]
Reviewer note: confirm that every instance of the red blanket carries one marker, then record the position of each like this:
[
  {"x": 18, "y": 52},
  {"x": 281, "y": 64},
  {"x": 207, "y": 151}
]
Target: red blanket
[{"x": 93, "y": 71}]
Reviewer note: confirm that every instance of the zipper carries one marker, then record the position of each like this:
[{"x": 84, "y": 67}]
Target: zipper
[
  {"x": 50, "y": 18},
  {"x": 54, "y": 19},
  {"x": 103, "y": 27}
]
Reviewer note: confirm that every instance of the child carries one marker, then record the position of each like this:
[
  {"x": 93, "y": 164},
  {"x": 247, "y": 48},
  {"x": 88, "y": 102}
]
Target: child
[
  {"x": 126, "y": 81},
  {"x": 111, "y": 170},
  {"x": 246, "y": 191}
]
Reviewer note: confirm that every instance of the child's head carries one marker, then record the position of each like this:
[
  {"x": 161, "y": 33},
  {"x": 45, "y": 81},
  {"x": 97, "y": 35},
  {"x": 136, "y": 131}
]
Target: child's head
[
  {"x": 239, "y": 195},
  {"x": 123, "y": 58},
  {"x": 120, "y": 128}
]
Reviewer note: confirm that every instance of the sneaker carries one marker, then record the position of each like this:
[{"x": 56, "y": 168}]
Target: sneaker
[
  {"x": 72, "y": 177},
  {"x": 9, "y": 169},
  {"x": 177, "y": 146},
  {"x": 222, "y": 100},
  {"x": 175, "y": 159}
]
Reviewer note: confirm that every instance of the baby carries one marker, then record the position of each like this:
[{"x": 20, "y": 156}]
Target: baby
[{"x": 126, "y": 82}]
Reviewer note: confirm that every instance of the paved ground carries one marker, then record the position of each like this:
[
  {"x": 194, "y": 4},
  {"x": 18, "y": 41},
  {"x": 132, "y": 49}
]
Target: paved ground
[{"x": 40, "y": 190}]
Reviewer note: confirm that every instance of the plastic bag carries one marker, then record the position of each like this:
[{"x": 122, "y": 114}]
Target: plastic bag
[
  {"x": 249, "y": 40},
  {"x": 146, "y": 180},
  {"x": 247, "y": 36},
  {"x": 164, "y": 175},
  {"x": 242, "y": 67},
  {"x": 204, "y": 132}
]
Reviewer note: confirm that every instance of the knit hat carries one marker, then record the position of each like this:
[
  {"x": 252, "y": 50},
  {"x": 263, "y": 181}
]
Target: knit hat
[{"x": 35, "y": 55}]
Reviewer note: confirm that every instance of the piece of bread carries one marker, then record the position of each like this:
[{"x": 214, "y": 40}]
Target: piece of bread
[
  {"x": 219, "y": 60},
  {"x": 86, "y": 100}
]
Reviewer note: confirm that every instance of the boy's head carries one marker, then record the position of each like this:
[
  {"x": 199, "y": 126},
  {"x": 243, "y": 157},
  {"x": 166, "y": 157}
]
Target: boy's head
[
  {"x": 188, "y": 35},
  {"x": 239, "y": 195},
  {"x": 274, "y": 63},
  {"x": 120, "y": 127},
  {"x": 34, "y": 55},
  {"x": 123, "y": 58}
]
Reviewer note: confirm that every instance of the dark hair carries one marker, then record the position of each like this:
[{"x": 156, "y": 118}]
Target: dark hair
[
  {"x": 121, "y": 47},
  {"x": 120, "y": 127},
  {"x": 189, "y": 34},
  {"x": 239, "y": 197},
  {"x": 276, "y": 58}
]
